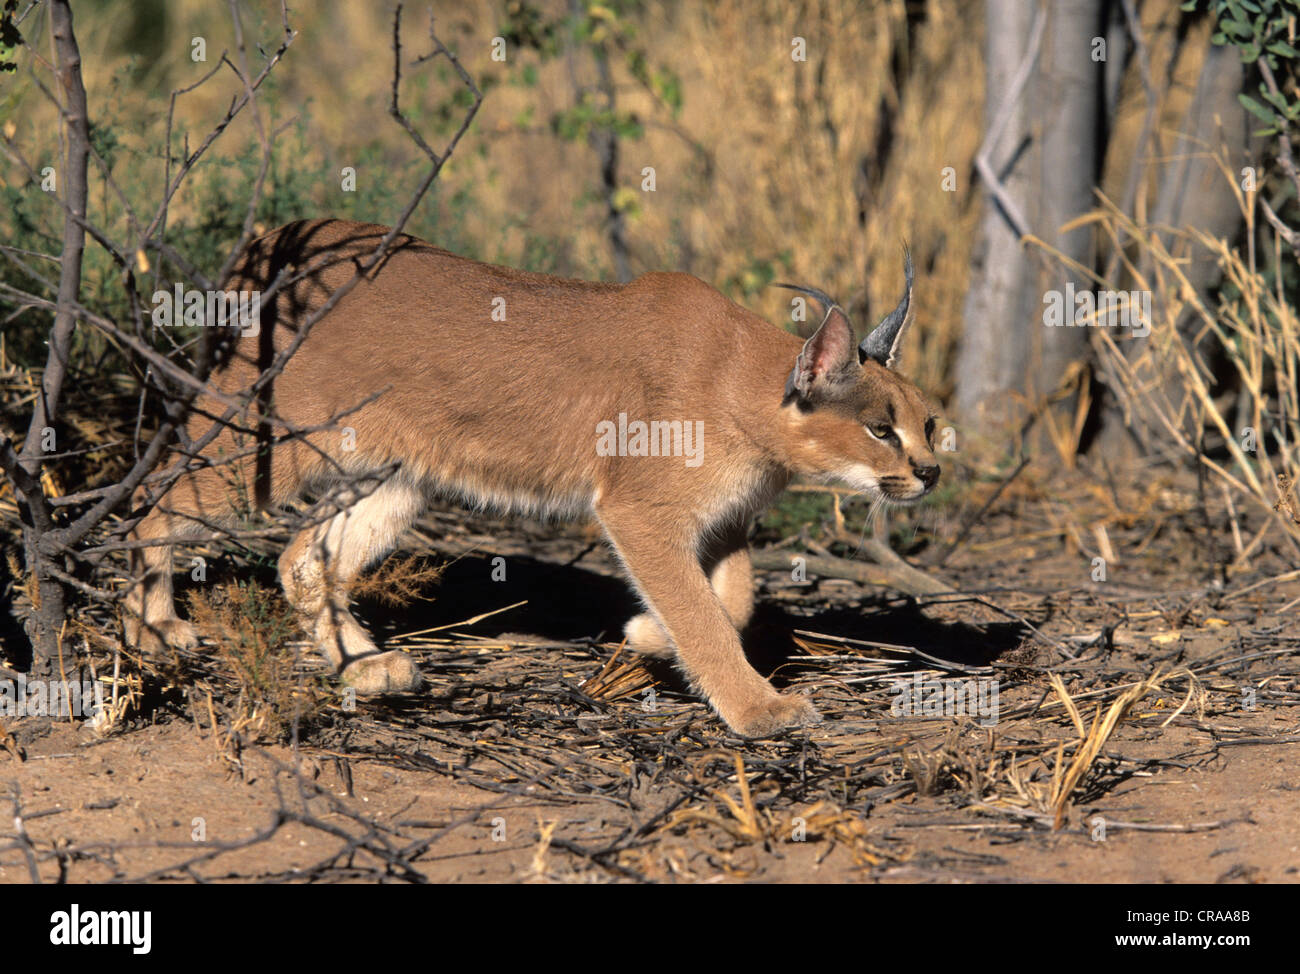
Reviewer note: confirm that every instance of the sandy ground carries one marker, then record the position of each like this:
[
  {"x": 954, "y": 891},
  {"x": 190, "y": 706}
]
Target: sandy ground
[{"x": 505, "y": 771}]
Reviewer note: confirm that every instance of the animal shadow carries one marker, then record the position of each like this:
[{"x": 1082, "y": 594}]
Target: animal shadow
[{"x": 568, "y": 603}]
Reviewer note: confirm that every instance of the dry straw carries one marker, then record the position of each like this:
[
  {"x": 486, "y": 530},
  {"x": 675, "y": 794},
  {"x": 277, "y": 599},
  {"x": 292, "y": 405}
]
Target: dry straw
[
  {"x": 1164, "y": 384},
  {"x": 1093, "y": 738}
]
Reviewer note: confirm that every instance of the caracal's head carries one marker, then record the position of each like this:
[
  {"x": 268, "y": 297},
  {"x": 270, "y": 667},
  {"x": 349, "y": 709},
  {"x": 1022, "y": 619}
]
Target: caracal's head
[{"x": 849, "y": 417}]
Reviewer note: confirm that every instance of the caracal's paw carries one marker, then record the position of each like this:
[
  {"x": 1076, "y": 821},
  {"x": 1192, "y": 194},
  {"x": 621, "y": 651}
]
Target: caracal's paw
[
  {"x": 391, "y": 672},
  {"x": 647, "y": 637},
  {"x": 778, "y": 713},
  {"x": 152, "y": 639}
]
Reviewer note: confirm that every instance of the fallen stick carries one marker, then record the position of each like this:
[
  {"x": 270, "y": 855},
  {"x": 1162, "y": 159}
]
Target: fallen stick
[{"x": 890, "y": 571}]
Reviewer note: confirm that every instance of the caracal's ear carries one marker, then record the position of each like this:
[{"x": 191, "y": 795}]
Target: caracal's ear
[
  {"x": 883, "y": 343},
  {"x": 826, "y": 365}
]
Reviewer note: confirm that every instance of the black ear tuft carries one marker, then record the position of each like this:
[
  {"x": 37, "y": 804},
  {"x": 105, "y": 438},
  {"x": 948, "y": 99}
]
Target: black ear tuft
[{"x": 883, "y": 342}]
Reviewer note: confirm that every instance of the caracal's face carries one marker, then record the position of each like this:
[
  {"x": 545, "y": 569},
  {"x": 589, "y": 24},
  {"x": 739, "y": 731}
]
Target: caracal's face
[{"x": 876, "y": 437}]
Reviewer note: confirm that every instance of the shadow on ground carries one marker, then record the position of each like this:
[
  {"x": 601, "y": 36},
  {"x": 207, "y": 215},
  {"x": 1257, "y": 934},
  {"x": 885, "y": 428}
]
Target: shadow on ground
[{"x": 568, "y": 603}]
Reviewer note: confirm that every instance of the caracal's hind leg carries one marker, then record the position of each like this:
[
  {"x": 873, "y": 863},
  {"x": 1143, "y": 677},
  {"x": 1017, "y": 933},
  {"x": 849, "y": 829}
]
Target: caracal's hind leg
[
  {"x": 194, "y": 504},
  {"x": 318, "y": 566},
  {"x": 149, "y": 611},
  {"x": 731, "y": 574}
]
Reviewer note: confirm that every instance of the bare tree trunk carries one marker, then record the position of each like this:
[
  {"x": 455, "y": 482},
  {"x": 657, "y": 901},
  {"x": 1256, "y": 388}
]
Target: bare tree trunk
[
  {"x": 1068, "y": 104},
  {"x": 604, "y": 139},
  {"x": 1192, "y": 188},
  {"x": 44, "y": 626},
  {"x": 996, "y": 302},
  {"x": 1043, "y": 133}
]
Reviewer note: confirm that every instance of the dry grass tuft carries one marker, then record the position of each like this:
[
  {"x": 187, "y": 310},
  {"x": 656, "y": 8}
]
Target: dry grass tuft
[
  {"x": 1094, "y": 738},
  {"x": 747, "y": 824},
  {"x": 1229, "y": 370},
  {"x": 620, "y": 677},
  {"x": 400, "y": 580},
  {"x": 251, "y": 628}
]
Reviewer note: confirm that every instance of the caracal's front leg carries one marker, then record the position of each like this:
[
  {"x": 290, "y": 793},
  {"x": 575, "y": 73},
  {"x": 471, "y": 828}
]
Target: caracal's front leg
[
  {"x": 667, "y": 572},
  {"x": 725, "y": 559}
]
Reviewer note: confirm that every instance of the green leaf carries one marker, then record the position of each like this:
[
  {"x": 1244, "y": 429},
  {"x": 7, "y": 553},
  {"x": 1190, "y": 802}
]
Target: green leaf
[
  {"x": 1256, "y": 109},
  {"x": 1236, "y": 28},
  {"x": 1276, "y": 100},
  {"x": 669, "y": 88}
]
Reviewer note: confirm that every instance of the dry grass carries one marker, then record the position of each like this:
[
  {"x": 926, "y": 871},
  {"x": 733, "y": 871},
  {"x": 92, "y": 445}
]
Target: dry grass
[
  {"x": 625, "y": 675},
  {"x": 1231, "y": 371},
  {"x": 400, "y": 579},
  {"x": 746, "y": 824},
  {"x": 1093, "y": 738},
  {"x": 250, "y": 630}
]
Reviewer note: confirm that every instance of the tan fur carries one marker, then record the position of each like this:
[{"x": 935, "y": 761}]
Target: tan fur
[{"x": 505, "y": 413}]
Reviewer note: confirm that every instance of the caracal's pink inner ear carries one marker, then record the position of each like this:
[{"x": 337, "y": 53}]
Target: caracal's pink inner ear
[{"x": 827, "y": 358}]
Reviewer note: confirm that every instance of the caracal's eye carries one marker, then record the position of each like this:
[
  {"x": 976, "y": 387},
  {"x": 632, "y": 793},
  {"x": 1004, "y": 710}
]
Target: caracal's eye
[
  {"x": 881, "y": 431},
  {"x": 929, "y": 432}
]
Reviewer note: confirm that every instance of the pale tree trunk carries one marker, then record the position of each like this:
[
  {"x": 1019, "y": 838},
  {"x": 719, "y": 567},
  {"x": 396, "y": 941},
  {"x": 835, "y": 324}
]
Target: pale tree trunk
[
  {"x": 987, "y": 362},
  {"x": 1047, "y": 159},
  {"x": 1067, "y": 105},
  {"x": 1193, "y": 191}
]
